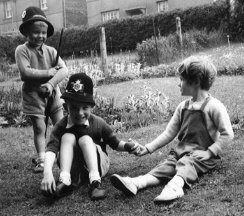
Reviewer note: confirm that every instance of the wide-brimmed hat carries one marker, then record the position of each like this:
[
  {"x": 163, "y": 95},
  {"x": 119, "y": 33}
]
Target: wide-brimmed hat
[
  {"x": 32, "y": 14},
  {"x": 79, "y": 88}
]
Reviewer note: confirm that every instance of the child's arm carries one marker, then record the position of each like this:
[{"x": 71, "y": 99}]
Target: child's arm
[
  {"x": 61, "y": 74},
  {"x": 48, "y": 183},
  {"x": 169, "y": 134},
  {"x": 22, "y": 58},
  {"x": 220, "y": 119}
]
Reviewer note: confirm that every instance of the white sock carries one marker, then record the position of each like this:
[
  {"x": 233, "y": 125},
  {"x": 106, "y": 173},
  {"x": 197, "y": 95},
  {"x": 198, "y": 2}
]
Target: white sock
[
  {"x": 140, "y": 182},
  {"x": 178, "y": 180},
  {"x": 65, "y": 177},
  {"x": 40, "y": 157},
  {"x": 94, "y": 176}
]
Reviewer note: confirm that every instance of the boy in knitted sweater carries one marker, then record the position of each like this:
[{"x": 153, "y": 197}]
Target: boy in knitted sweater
[
  {"x": 203, "y": 128},
  {"x": 79, "y": 141},
  {"x": 36, "y": 63}
]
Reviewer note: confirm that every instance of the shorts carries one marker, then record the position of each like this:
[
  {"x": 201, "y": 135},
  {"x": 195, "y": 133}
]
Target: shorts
[
  {"x": 79, "y": 171},
  {"x": 34, "y": 105}
]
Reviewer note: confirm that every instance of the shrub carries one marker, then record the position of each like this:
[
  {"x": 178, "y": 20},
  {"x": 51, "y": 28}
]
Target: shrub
[
  {"x": 169, "y": 48},
  {"x": 11, "y": 108}
]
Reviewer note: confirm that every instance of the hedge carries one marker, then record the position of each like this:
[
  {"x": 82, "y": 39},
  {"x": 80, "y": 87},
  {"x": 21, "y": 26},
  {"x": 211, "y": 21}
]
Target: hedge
[{"x": 124, "y": 34}]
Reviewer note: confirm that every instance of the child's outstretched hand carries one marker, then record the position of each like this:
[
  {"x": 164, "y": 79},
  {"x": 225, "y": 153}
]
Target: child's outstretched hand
[
  {"x": 135, "y": 148},
  {"x": 143, "y": 151},
  {"x": 202, "y": 155},
  {"x": 132, "y": 147},
  {"x": 48, "y": 184}
]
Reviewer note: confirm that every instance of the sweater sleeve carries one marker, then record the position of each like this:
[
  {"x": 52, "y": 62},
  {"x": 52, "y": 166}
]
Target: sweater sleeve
[
  {"x": 170, "y": 132},
  {"x": 22, "y": 58},
  {"x": 61, "y": 74},
  {"x": 218, "y": 114},
  {"x": 108, "y": 136}
]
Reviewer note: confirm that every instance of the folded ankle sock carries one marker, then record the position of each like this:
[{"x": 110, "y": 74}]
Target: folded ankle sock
[
  {"x": 65, "y": 177},
  {"x": 94, "y": 176},
  {"x": 140, "y": 182}
]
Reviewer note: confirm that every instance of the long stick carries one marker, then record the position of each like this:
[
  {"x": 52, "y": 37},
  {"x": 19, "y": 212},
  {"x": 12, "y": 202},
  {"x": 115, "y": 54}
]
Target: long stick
[
  {"x": 49, "y": 102},
  {"x": 59, "y": 46}
]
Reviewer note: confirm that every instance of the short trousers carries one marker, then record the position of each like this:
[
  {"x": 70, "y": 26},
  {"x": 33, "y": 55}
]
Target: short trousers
[
  {"x": 79, "y": 171},
  {"x": 34, "y": 105}
]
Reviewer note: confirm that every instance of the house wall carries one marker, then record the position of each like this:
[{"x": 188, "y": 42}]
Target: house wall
[
  {"x": 54, "y": 14},
  {"x": 96, "y": 7}
]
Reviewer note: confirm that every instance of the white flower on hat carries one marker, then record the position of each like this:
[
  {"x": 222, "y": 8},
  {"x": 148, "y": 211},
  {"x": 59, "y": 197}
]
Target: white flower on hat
[
  {"x": 23, "y": 14},
  {"x": 77, "y": 86}
]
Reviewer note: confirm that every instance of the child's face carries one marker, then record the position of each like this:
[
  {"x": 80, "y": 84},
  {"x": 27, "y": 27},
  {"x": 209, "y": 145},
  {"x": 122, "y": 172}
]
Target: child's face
[
  {"x": 185, "y": 88},
  {"x": 37, "y": 34},
  {"x": 79, "y": 112}
]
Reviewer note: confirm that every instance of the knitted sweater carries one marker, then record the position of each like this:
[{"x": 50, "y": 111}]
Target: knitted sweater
[
  {"x": 34, "y": 65},
  {"x": 217, "y": 122},
  {"x": 98, "y": 130}
]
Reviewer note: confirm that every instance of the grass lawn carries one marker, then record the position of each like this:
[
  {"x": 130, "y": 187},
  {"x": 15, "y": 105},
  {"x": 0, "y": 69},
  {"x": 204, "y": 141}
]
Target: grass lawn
[{"x": 220, "y": 192}]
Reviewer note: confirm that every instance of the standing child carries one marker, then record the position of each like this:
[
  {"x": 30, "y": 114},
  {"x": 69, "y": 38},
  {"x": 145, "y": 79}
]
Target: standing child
[
  {"x": 80, "y": 138},
  {"x": 36, "y": 63},
  {"x": 203, "y": 128}
]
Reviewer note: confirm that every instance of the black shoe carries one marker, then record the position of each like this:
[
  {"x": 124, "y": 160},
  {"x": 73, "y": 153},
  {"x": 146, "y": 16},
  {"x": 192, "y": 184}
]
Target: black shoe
[
  {"x": 63, "y": 190},
  {"x": 96, "y": 191}
]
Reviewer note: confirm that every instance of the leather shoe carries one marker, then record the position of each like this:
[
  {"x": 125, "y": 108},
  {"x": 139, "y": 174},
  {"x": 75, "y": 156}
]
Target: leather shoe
[
  {"x": 63, "y": 190},
  {"x": 96, "y": 191}
]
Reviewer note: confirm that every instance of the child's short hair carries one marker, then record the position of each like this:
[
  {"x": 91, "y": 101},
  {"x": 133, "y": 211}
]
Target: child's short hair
[
  {"x": 198, "y": 69},
  {"x": 30, "y": 25}
]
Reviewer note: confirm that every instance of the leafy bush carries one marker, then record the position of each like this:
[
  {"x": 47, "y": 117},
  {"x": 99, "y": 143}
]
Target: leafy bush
[
  {"x": 169, "y": 48},
  {"x": 11, "y": 108},
  {"x": 8, "y": 71},
  {"x": 236, "y": 22}
]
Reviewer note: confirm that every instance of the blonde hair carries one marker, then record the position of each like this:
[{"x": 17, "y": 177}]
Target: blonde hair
[
  {"x": 40, "y": 23},
  {"x": 198, "y": 69}
]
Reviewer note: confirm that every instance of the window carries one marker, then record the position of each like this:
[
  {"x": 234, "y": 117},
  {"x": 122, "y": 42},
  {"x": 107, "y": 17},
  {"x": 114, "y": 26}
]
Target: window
[
  {"x": 110, "y": 15},
  {"x": 8, "y": 12},
  {"x": 163, "y": 6},
  {"x": 43, "y": 4},
  {"x": 136, "y": 11}
]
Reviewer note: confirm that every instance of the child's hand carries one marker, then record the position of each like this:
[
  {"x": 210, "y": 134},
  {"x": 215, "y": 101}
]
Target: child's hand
[
  {"x": 132, "y": 147},
  {"x": 48, "y": 184},
  {"x": 143, "y": 151},
  {"x": 49, "y": 88},
  {"x": 202, "y": 155},
  {"x": 53, "y": 71}
]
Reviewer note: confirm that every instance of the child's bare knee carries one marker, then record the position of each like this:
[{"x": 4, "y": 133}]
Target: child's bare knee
[
  {"x": 69, "y": 138},
  {"x": 85, "y": 140}
]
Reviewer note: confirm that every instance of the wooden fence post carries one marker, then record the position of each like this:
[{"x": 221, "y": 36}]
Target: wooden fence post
[
  {"x": 103, "y": 50},
  {"x": 156, "y": 43},
  {"x": 179, "y": 32}
]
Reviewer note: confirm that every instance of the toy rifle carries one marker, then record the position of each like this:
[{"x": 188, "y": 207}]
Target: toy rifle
[
  {"x": 59, "y": 47},
  {"x": 50, "y": 99}
]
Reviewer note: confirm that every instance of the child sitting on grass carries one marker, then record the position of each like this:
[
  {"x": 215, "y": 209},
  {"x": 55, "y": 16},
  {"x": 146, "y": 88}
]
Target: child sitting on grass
[
  {"x": 80, "y": 138},
  {"x": 203, "y": 128},
  {"x": 36, "y": 63}
]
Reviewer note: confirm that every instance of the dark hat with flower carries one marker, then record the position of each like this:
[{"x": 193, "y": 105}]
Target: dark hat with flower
[
  {"x": 79, "y": 88},
  {"x": 33, "y": 14}
]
